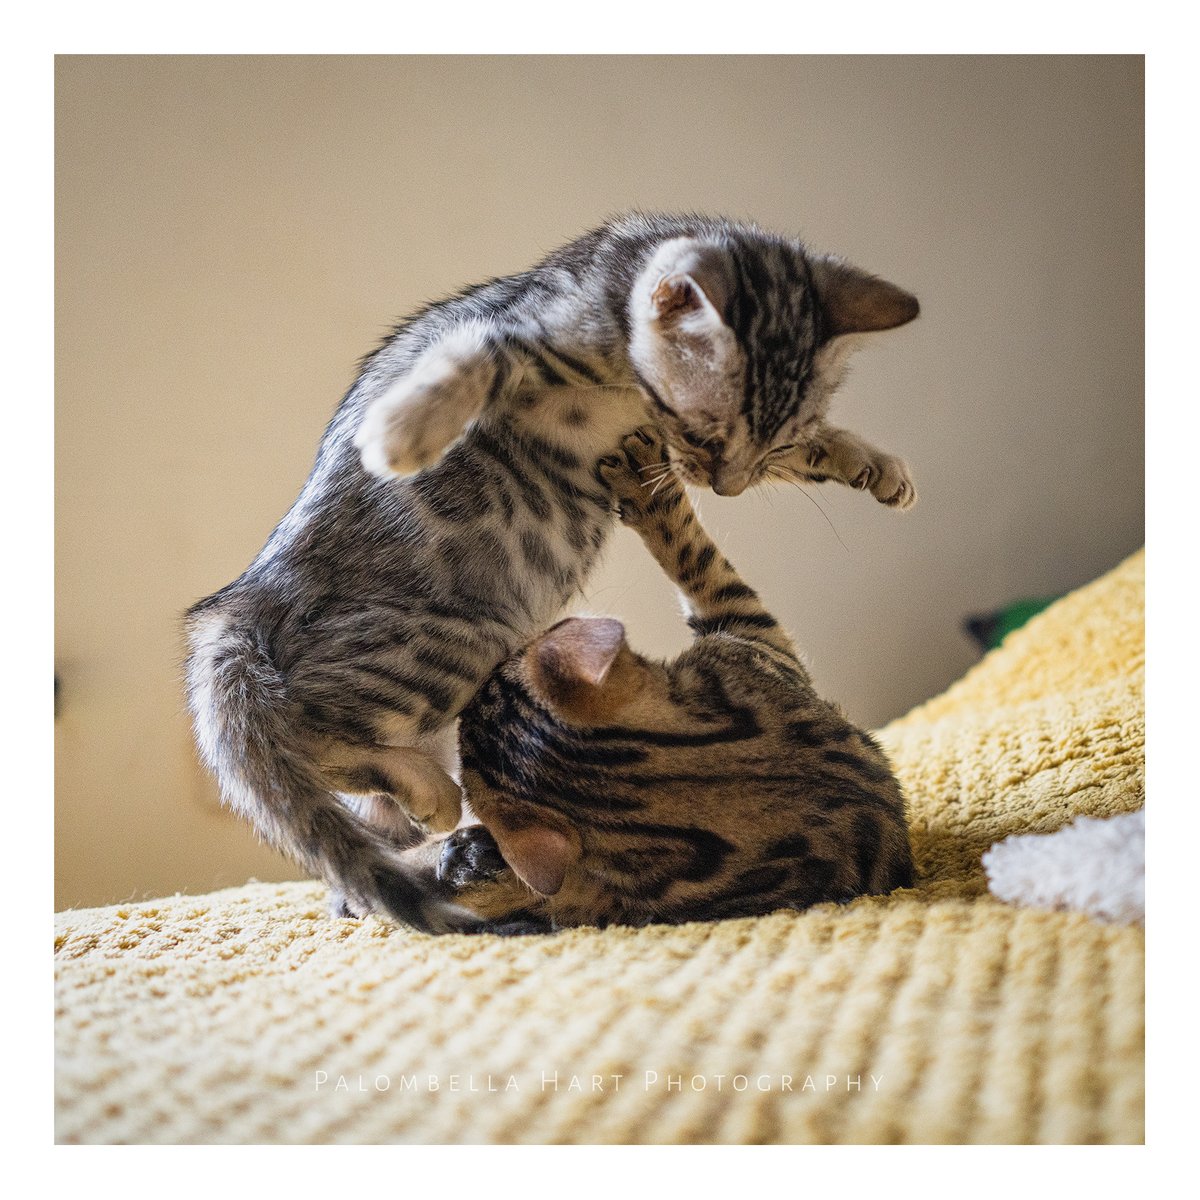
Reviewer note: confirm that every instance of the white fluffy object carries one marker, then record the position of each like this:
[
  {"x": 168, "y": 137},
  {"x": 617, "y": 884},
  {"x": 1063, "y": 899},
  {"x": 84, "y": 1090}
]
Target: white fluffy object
[{"x": 1094, "y": 865}]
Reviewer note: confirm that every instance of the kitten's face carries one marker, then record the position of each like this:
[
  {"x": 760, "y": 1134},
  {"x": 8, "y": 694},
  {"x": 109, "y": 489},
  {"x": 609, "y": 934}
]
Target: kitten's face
[{"x": 740, "y": 347}]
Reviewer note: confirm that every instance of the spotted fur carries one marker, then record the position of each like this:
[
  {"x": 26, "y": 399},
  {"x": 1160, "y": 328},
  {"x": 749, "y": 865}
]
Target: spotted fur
[{"x": 456, "y": 505}]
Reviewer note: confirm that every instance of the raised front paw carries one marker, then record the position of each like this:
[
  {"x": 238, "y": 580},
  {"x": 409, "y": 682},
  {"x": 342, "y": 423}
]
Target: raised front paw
[
  {"x": 407, "y": 430},
  {"x": 889, "y": 480},
  {"x": 409, "y": 426},
  {"x": 640, "y": 477},
  {"x": 885, "y": 476}
]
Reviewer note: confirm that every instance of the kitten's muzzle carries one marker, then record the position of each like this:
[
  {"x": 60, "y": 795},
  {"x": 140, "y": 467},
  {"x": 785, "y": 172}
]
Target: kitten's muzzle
[
  {"x": 729, "y": 479},
  {"x": 706, "y": 470},
  {"x": 469, "y": 856}
]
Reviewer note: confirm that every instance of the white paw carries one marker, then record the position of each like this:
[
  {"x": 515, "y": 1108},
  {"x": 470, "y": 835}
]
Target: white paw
[
  {"x": 895, "y": 487},
  {"x": 386, "y": 441},
  {"x": 410, "y": 426}
]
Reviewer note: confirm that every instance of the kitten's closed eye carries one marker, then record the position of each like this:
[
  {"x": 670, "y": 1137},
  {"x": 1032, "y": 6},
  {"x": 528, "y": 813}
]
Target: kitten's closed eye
[{"x": 710, "y": 443}]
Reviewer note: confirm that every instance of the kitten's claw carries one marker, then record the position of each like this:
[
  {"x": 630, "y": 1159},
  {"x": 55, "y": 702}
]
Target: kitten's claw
[
  {"x": 847, "y": 458},
  {"x": 641, "y": 477},
  {"x": 888, "y": 480},
  {"x": 892, "y": 484}
]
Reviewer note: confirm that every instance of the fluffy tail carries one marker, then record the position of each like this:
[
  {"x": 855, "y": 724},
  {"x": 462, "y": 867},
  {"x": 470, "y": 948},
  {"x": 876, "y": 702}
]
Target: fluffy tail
[{"x": 246, "y": 735}]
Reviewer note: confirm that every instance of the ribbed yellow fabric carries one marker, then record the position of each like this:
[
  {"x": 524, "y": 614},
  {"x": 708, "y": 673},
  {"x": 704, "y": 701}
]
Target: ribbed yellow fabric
[{"x": 933, "y": 1015}]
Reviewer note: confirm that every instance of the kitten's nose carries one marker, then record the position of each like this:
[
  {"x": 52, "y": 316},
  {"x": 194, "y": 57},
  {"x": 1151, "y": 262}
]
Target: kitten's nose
[{"x": 729, "y": 480}]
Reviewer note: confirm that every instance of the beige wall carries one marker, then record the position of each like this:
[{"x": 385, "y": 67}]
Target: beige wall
[{"x": 234, "y": 233}]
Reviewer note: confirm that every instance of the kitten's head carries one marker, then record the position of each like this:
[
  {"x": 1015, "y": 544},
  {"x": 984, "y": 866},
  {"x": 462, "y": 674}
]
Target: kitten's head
[
  {"x": 740, "y": 342},
  {"x": 561, "y": 746},
  {"x": 624, "y": 790}
]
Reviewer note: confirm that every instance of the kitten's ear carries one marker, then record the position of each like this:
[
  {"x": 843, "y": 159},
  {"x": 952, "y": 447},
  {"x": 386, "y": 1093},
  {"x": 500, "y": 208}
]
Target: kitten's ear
[
  {"x": 539, "y": 854},
  {"x": 855, "y": 302},
  {"x": 576, "y": 655},
  {"x": 689, "y": 278}
]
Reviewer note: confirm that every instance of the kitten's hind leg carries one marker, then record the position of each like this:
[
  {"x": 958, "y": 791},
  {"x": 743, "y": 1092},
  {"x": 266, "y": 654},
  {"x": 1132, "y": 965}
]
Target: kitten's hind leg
[
  {"x": 386, "y": 816},
  {"x": 844, "y": 456},
  {"x": 414, "y": 780},
  {"x": 409, "y": 426}
]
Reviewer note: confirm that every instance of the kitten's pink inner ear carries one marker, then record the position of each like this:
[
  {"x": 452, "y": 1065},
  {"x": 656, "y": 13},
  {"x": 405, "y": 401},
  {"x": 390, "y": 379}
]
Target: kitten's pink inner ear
[
  {"x": 581, "y": 649},
  {"x": 855, "y": 302},
  {"x": 540, "y": 856},
  {"x": 699, "y": 281},
  {"x": 674, "y": 296}
]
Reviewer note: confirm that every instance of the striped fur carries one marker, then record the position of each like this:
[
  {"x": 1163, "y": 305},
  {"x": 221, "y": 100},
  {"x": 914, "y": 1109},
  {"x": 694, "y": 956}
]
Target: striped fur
[
  {"x": 717, "y": 785},
  {"x": 456, "y": 505}
]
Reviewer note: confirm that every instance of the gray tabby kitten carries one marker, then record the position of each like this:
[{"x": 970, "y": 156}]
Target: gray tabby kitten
[{"x": 456, "y": 506}]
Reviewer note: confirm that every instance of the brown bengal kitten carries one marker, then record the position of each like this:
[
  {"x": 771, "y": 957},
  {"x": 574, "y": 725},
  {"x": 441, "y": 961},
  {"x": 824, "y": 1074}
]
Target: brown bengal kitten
[{"x": 617, "y": 790}]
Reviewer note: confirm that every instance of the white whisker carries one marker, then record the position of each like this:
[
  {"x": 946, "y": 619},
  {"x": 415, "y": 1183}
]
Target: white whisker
[
  {"x": 784, "y": 474},
  {"x": 661, "y": 480},
  {"x": 657, "y": 479}
]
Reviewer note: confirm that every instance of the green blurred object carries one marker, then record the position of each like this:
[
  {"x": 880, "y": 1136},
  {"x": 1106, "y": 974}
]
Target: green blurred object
[{"x": 990, "y": 629}]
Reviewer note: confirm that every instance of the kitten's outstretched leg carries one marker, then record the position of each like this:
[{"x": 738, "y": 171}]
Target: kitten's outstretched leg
[
  {"x": 656, "y": 505},
  {"x": 417, "y": 782},
  {"x": 409, "y": 426},
  {"x": 844, "y": 456}
]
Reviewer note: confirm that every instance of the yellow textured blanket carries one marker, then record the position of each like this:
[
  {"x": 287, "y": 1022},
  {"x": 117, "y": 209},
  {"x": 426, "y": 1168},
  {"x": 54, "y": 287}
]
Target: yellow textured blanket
[{"x": 932, "y": 1015}]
